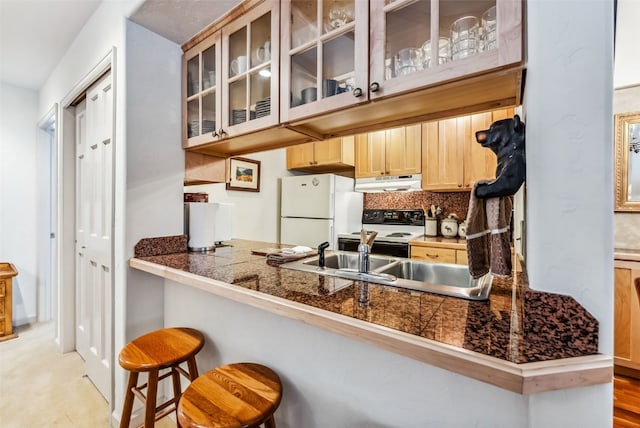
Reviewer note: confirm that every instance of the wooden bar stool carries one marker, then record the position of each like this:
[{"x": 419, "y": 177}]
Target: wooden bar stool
[
  {"x": 232, "y": 396},
  {"x": 160, "y": 349}
]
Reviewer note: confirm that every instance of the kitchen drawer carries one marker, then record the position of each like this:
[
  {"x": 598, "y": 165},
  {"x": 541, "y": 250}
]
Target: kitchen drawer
[
  {"x": 436, "y": 255},
  {"x": 2, "y": 308}
]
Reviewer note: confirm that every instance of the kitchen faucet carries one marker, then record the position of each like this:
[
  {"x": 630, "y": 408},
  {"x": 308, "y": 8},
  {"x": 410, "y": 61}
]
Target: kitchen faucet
[
  {"x": 321, "y": 248},
  {"x": 364, "y": 249}
]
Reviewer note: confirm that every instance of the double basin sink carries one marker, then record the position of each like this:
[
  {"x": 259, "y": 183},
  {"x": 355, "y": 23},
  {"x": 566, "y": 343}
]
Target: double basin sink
[{"x": 438, "y": 278}]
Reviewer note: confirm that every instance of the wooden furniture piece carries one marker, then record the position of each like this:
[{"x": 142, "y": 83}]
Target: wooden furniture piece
[
  {"x": 161, "y": 349},
  {"x": 452, "y": 160},
  {"x": 440, "y": 251},
  {"x": 333, "y": 155},
  {"x": 7, "y": 272},
  {"x": 626, "y": 316},
  {"x": 232, "y": 396},
  {"x": 390, "y": 152},
  {"x": 201, "y": 169}
]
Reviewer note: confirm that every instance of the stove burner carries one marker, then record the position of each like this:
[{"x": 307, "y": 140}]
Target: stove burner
[{"x": 398, "y": 234}]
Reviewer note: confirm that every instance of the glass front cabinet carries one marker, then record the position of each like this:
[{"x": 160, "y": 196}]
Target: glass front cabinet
[
  {"x": 418, "y": 43},
  {"x": 324, "y": 56},
  {"x": 232, "y": 78}
]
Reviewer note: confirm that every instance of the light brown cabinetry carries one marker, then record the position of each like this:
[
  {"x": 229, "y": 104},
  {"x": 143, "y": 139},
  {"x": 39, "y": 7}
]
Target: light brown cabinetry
[
  {"x": 231, "y": 84},
  {"x": 201, "y": 169},
  {"x": 329, "y": 59},
  {"x": 334, "y": 155},
  {"x": 452, "y": 159},
  {"x": 439, "y": 252},
  {"x": 390, "y": 152},
  {"x": 626, "y": 346},
  {"x": 406, "y": 83},
  {"x": 7, "y": 272}
]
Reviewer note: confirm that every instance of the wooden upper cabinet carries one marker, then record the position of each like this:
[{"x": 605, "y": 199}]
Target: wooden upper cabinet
[
  {"x": 452, "y": 159},
  {"x": 334, "y": 155},
  {"x": 324, "y": 56},
  {"x": 466, "y": 37},
  {"x": 390, "y": 152}
]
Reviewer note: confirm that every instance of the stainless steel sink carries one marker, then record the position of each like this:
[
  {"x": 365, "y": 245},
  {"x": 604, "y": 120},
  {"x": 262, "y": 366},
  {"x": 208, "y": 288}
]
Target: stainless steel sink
[
  {"x": 439, "y": 278},
  {"x": 349, "y": 260}
]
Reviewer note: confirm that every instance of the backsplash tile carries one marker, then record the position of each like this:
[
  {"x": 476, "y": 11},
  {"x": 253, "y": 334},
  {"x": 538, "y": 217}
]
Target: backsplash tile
[{"x": 450, "y": 202}]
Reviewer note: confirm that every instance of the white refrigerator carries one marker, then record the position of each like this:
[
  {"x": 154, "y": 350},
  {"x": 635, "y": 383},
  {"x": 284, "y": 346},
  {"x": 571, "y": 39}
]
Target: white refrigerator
[{"x": 316, "y": 208}]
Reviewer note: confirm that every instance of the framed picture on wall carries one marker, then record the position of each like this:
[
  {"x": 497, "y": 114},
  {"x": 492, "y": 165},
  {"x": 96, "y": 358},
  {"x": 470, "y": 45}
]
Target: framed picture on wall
[{"x": 244, "y": 175}]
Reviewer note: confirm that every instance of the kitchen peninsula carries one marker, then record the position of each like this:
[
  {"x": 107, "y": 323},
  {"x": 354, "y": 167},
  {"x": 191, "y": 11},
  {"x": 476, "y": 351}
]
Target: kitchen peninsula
[{"x": 520, "y": 340}]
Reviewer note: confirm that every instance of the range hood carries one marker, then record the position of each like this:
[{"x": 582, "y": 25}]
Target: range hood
[{"x": 391, "y": 183}]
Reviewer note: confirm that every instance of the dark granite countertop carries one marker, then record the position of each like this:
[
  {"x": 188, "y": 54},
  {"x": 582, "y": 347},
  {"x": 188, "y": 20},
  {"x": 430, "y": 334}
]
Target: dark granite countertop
[{"x": 516, "y": 324}]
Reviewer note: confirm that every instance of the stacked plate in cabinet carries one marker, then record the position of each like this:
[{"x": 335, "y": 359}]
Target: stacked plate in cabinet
[
  {"x": 238, "y": 116},
  {"x": 194, "y": 128},
  {"x": 263, "y": 107},
  {"x": 208, "y": 126}
]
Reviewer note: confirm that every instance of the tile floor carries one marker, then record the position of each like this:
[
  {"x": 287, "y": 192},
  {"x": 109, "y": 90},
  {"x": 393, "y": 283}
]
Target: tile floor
[{"x": 53, "y": 385}]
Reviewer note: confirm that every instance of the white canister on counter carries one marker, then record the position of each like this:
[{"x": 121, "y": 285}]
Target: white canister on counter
[
  {"x": 449, "y": 227},
  {"x": 462, "y": 229},
  {"x": 431, "y": 226}
]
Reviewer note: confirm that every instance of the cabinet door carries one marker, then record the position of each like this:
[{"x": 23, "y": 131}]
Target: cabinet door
[
  {"x": 403, "y": 149},
  {"x": 461, "y": 257},
  {"x": 442, "y": 155},
  {"x": 250, "y": 68},
  {"x": 626, "y": 348},
  {"x": 479, "y": 162},
  {"x": 370, "y": 154},
  {"x": 201, "y": 84},
  {"x": 300, "y": 156},
  {"x": 464, "y": 36},
  {"x": 325, "y": 56},
  {"x": 432, "y": 254},
  {"x": 328, "y": 152}
]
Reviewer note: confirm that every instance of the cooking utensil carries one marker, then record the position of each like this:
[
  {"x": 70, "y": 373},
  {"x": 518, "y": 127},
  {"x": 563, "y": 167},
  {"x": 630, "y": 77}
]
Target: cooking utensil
[
  {"x": 363, "y": 236},
  {"x": 371, "y": 238}
]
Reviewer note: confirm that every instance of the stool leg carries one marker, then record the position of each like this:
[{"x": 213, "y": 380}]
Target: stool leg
[
  {"x": 270, "y": 423},
  {"x": 150, "y": 405},
  {"x": 193, "y": 368},
  {"x": 128, "y": 400},
  {"x": 177, "y": 390}
]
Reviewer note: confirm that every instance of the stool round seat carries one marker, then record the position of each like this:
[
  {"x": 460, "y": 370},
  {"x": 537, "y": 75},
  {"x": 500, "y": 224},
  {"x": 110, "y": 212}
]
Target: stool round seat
[
  {"x": 161, "y": 349},
  {"x": 231, "y": 396}
]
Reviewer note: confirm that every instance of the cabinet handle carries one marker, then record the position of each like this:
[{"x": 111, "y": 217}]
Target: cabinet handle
[
  {"x": 433, "y": 256},
  {"x": 374, "y": 87},
  {"x": 459, "y": 185},
  {"x": 357, "y": 92},
  {"x": 214, "y": 134},
  {"x": 221, "y": 132}
]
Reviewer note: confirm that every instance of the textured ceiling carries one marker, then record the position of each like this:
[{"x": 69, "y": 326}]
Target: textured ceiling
[{"x": 179, "y": 20}]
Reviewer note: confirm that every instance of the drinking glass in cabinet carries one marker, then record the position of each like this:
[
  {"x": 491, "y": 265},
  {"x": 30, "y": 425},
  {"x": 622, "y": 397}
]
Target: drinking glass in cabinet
[
  {"x": 407, "y": 26},
  {"x": 464, "y": 37},
  {"x": 336, "y": 14},
  {"x": 489, "y": 27},
  {"x": 444, "y": 52},
  {"x": 304, "y": 22},
  {"x": 407, "y": 61},
  {"x": 193, "y": 118}
]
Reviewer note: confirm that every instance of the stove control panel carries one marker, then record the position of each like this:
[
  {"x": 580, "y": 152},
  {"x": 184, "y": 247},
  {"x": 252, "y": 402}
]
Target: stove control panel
[{"x": 399, "y": 217}]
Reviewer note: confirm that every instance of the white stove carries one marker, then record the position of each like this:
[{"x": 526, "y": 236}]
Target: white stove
[{"x": 395, "y": 229}]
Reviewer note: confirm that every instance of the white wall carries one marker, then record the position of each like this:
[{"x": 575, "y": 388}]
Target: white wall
[
  {"x": 568, "y": 106},
  {"x": 18, "y": 200},
  {"x": 256, "y": 215}
]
